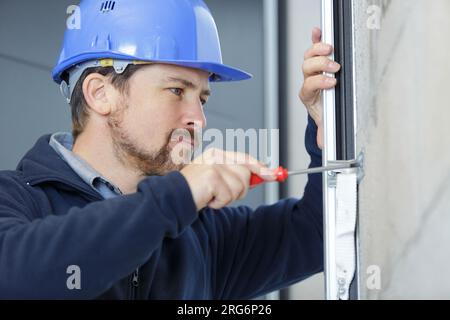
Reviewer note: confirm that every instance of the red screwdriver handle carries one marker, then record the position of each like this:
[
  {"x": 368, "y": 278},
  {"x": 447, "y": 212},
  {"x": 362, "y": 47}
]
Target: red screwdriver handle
[{"x": 281, "y": 174}]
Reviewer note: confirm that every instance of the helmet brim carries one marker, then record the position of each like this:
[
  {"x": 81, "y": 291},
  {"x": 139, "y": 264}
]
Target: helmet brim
[{"x": 220, "y": 72}]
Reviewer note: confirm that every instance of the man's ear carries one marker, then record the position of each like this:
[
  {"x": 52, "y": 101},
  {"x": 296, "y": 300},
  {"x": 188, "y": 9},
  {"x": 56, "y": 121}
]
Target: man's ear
[{"x": 95, "y": 93}]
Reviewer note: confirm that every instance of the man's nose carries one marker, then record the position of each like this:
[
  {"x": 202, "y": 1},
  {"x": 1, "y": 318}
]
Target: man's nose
[{"x": 194, "y": 116}]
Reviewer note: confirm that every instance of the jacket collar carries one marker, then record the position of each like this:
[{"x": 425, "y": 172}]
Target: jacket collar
[{"x": 42, "y": 164}]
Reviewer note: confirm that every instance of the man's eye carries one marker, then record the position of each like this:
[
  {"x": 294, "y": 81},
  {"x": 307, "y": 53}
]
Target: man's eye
[
  {"x": 176, "y": 91},
  {"x": 203, "y": 101}
]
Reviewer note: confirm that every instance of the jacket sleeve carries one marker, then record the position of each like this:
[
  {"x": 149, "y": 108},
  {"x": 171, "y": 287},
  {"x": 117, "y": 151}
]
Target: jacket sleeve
[
  {"x": 272, "y": 247},
  {"x": 107, "y": 240}
]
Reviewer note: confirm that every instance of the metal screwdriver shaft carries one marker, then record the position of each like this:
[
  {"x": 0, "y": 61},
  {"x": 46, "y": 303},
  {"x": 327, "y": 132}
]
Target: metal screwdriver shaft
[
  {"x": 320, "y": 169},
  {"x": 282, "y": 174}
]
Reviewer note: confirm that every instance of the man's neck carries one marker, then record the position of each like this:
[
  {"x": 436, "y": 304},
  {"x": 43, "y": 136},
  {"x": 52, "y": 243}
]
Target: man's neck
[{"x": 98, "y": 152}]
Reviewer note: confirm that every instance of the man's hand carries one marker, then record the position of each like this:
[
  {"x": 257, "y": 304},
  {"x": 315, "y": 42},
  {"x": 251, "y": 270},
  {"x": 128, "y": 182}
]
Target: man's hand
[
  {"x": 218, "y": 178},
  {"x": 316, "y": 62}
]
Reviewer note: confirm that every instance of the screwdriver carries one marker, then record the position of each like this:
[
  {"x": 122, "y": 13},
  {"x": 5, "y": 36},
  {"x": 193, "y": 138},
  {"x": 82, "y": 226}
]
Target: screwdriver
[{"x": 282, "y": 174}]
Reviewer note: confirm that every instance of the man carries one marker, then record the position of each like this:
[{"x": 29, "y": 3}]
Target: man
[{"x": 106, "y": 213}]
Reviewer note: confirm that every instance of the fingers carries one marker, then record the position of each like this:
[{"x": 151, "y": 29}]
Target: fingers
[
  {"x": 232, "y": 186},
  {"x": 237, "y": 178},
  {"x": 316, "y": 35},
  {"x": 217, "y": 156},
  {"x": 252, "y": 164},
  {"x": 221, "y": 195},
  {"x": 317, "y": 65},
  {"x": 218, "y": 178},
  {"x": 313, "y": 85},
  {"x": 319, "y": 49},
  {"x": 228, "y": 176},
  {"x": 229, "y": 188}
]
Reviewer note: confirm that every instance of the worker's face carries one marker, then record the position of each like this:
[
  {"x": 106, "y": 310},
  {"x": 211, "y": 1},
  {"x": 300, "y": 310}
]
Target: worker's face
[{"x": 145, "y": 128}]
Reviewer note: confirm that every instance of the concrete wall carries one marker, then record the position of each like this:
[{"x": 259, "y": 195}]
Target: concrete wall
[{"x": 403, "y": 73}]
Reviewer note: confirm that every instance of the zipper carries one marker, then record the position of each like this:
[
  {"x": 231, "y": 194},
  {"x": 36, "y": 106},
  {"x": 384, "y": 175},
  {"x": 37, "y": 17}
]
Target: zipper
[{"x": 135, "y": 284}]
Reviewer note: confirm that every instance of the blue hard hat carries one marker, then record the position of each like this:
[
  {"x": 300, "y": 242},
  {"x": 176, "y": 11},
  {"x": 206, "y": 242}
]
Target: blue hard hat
[{"x": 180, "y": 32}]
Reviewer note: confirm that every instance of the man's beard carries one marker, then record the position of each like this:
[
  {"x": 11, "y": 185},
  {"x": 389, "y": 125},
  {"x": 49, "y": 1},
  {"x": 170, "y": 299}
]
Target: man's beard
[{"x": 129, "y": 153}]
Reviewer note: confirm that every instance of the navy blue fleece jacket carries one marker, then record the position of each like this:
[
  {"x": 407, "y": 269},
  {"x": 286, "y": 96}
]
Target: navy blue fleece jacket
[{"x": 152, "y": 244}]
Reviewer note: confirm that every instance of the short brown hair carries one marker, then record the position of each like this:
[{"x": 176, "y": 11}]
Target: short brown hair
[{"x": 78, "y": 103}]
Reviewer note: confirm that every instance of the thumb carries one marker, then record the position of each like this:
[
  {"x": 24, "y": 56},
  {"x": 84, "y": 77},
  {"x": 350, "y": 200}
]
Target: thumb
[{"x": 316, "y": 35}]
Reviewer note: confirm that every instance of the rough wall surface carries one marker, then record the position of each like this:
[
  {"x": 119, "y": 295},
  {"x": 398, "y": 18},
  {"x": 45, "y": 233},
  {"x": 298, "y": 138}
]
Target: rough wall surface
[{"x": 403, "y": 77}]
